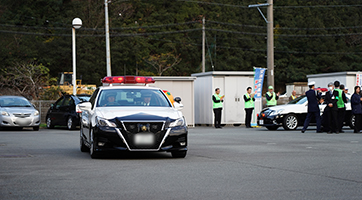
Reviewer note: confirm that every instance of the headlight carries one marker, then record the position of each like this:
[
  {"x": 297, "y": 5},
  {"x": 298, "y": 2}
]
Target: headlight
[
  {"x": 177, "y": 122},
  {"x": 36, "y": 113},
  {"x": 5, "y": 113},
  {"x": 104, "y": 122}
]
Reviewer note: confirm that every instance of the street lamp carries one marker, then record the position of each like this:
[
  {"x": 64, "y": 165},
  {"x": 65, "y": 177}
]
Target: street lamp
[
  {"x": 108, "y": 50},
  {"x": 77, "y": 23}
]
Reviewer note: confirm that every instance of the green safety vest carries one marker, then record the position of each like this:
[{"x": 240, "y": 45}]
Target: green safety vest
[
  {"x": 272, "y": 101},
  {"x": 340, "y": 103},
  {"x": 216, "y": 105},
  {"x": 249, "y": 104}
]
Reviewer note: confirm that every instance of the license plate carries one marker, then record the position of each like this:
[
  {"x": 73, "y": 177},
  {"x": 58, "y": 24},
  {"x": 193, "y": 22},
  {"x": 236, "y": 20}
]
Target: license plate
[
  {"x": 144, "y": 139},
  {"x": 261, "y": 122}
]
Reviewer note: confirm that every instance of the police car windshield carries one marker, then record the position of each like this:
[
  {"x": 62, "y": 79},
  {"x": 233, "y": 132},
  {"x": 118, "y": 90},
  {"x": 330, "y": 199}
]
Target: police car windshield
[
  {"x": 132, "y": 97},
  {"x": 299, "y": 100}
]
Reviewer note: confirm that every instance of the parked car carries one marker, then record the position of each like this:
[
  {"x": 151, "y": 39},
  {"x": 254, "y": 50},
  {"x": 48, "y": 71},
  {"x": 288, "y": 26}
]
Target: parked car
[
  {"x": 293, "y": 114},
  {"x": 18, "y": 112},
  {"x": 64, "y": 113}
]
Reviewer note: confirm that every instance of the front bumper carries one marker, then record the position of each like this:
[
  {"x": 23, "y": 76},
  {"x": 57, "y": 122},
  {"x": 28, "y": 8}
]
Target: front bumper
[
  {"x": 13, "y": 121},
  {"x": 274, "y": 120},
  {"x": 170, "y": 139}
]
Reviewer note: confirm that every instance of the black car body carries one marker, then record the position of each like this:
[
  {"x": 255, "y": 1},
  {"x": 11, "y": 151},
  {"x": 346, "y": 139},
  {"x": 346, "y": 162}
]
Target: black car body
[{"x": 63, "y": 112}]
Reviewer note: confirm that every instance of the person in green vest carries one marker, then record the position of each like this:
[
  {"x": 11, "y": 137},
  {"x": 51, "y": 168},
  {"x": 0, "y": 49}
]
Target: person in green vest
[
  {"x": 271, "y": 97},
  {"x": 249, "y": 106},
  {"x": 217, "y": 101},
  {"x": 341, "y": 105}
]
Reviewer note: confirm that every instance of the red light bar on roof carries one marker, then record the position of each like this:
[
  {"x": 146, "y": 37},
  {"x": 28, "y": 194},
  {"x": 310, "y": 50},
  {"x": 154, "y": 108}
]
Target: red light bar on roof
[{"x": 127, "y": 79}]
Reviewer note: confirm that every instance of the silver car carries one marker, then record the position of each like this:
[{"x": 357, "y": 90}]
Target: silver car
[{"x": 18, "y": 112}]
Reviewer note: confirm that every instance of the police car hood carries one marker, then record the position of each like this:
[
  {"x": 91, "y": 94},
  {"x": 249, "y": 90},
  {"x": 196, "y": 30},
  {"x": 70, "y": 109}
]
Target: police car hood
[{"x": 138, "y": 113}]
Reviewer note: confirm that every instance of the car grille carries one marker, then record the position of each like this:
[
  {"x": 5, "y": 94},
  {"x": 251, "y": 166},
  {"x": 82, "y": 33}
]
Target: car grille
[
  {"x": 130, "y": 129},
  {"x": 22, "y": 115}
]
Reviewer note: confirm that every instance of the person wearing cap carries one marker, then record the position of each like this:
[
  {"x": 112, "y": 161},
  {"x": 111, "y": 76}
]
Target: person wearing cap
[
  {"x": 271, "y": 97},
  {"x": 331, "y": 110},
  {"x": 146, "y": 99},
  {"x": 293, "y": 96},
  {"x": 249, "y": 106},
  {"x": 341, "y": 100},
  {"x": 110, "y": 97},
  {"x": 346, "y": 92},
  {"x": 217, "y": 101},
  {"x": 313, "y": 107}
]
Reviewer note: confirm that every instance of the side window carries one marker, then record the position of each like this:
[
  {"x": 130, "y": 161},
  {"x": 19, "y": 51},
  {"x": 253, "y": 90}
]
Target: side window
[
  {"x": 92, "y": 99},
  {"x": 59, "y": 103},
  {"x": 67, "y": 101}
]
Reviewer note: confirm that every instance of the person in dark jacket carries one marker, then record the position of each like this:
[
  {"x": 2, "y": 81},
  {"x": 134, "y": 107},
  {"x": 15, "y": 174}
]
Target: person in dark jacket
[
  {"x": 313, "y": 107},
  {"x": 357, "y": 108},
  {"x": 332, "y": 109}
]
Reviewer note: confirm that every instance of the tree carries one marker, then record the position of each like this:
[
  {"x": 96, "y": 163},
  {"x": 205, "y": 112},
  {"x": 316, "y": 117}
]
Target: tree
[
  {"x": 164, "y": 61},
  {"x": 27, "y": 79}
]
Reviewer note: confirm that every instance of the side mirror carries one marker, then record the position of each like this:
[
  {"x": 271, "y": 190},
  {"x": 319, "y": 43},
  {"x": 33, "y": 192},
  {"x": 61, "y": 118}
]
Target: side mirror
[
  {"x": 85, "y": 106},
  {"x": 177, "y": 99}
]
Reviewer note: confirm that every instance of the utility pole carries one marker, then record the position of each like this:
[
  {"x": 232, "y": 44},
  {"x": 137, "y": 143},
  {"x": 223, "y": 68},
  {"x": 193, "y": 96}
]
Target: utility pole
[
  {"x": 270, "y": 38},
  {"x": 270, "y": 43},
  {"x": 203, "y": 44},
  {"x": 108, "y": 51}
]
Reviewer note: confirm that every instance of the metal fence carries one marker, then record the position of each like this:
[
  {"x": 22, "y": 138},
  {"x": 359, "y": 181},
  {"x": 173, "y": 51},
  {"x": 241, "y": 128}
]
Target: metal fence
[{"x": 42, "y": 106}]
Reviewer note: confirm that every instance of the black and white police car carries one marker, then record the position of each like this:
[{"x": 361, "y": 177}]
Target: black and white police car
[
  {"x": 128, "y": 115},
  {"x": 293, "y": 114}
]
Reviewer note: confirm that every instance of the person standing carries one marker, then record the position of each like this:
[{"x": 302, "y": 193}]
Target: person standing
[
  {"x": 356, "y": 100},
  {"x": 331, "y": 109},
  {"x": 271, "y": 97},
  {"x": 341, "y": 100},
  {"x": 217, "y": 107},
  {"x": 313, "y": 107},
  {"x": 293, "y": 96},
  {"x": 249, "y": 106}
]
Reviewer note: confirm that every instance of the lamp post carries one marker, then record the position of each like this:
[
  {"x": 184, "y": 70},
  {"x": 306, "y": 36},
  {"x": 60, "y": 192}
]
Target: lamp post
[
  {"x": 76, "y": 24},
  {"x": 108, "y": 51}
]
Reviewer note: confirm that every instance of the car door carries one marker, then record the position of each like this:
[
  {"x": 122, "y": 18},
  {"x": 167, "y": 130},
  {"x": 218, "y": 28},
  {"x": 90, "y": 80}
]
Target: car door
[
  {"x": 55, "y": 114},
  {"x": 65, "y": 109},
  {"x": 87, "y": 116}
]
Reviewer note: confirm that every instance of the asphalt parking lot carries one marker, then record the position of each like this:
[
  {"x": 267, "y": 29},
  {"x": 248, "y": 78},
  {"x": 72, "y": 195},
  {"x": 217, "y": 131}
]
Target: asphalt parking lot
[{"x": 228, "y": 163}]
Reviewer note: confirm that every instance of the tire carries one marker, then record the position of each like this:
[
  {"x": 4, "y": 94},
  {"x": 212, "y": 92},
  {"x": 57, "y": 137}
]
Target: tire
[
  {"x": 290, "y": 122},
  {"x": 272, "y": 128},
  {"x": 93, "y": 154},
  {"x": 49, "y": 122},
  {"x": 83, "y": 148},
  {"x": 178, "y": 154},
  {"x": 351, "y": 122},
  {"x": 36, "y": 128},
  {"x": 70, "y": 123}
]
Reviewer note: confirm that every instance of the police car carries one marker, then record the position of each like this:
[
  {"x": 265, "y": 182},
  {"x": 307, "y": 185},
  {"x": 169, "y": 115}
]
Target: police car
[
  {"x": 293, "y": 114},
  {"x": 128, "y": 115}
]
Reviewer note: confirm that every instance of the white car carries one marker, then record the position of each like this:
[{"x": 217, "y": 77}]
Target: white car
[
  {"x": 126, "y": 114},
  {"x": 293, "y": 114}
]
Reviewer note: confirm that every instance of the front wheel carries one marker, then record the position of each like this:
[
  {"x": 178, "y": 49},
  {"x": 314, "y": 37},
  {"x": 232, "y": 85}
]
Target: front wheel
[
  {"x": 83, "y": 147},
  {"x": 49, "y": 123},
  {"x": 70, "y": 123},
  {"x": 178, "y": 154},
  {"x": 290, "y": 122},
  {"x": 92, "y": 152}
]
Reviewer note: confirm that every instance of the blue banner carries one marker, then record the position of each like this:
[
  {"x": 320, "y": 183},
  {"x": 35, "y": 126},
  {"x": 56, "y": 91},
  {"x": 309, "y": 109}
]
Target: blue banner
[{"x": 258, "y": 82}]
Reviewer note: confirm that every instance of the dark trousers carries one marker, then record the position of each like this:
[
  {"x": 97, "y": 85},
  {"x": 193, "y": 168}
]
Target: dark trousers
[
  {"x": 248, "y": 113},
  {"x": 341, "y": 114},
  {"x": 333, "y": 120},
  {"x": 217, "y": 117},
  {"x": 357, "y": 122},
  {"x": 317, "y": 119}
]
